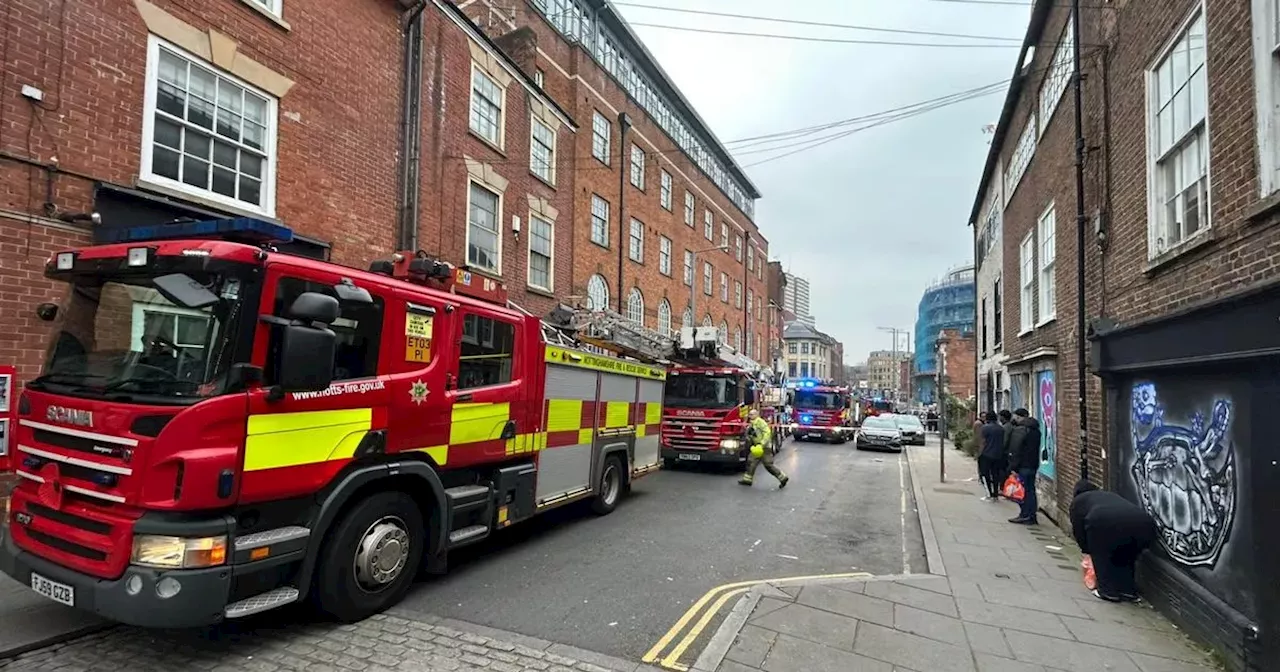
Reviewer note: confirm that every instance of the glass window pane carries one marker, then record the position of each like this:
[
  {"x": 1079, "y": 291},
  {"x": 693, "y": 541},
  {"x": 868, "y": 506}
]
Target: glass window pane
[
  {"x": 228, "y": 124},
  {"x": 197, "y": 145},
  {"x": 200, "y": 112},
  {"x": 195, "y": 172},
  {"x": 254, "y": 134},
  {"x": 224, "y": 182},
  {"x": 224, "y": 155},
  {"x": 251, "y": 165},
  {"x": 164, "y": 162},
  {"x": 250, "y": 190},
  {"x": 170, "y": 99},
  {"x": 168, "y": 133},
  {"x": 172, "y": 69}
]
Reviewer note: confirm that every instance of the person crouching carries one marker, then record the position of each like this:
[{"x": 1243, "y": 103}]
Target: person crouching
[{"x": 1114, "y": 532}]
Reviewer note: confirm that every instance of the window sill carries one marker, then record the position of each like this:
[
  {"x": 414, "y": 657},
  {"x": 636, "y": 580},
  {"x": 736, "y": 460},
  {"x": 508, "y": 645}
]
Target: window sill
[
  {"x": 639, "y": 262},
  {"x": 600, "y": 244},
  {"x": 637, "y": 187},
  {"x": 540, "y": 291},
  {"x": 666, "y": 208},
  {"x": 550, "y": 183},
  {"x": 1045, "y": 321},
  {"x": 184, "y": 195},
  {"x": 484, "y": 272},
  {"x": 1265, "y": 212},
  {"x": 273, "y": 18},
  {"x": 487, "y": 142},
  {"x": 603, "y": 162},
  {"x": 1168, "y": 257},
  {"x": 1026, "y": 331}
]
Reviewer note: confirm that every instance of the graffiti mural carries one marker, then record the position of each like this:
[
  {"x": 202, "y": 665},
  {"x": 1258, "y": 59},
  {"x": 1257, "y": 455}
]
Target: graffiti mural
[
  {"x": 1046, "y": 408},
  {"x": 1184, "y": 473}
]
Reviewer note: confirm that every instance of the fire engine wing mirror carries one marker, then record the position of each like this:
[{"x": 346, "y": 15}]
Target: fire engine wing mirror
[
  {"x": 311, "y": 307},
  {"x": 184, "y": 291},
  {"x": 47, "y": 312},
  {"x": 306, "y": 357},
  {"x": 749, "y": 395}
]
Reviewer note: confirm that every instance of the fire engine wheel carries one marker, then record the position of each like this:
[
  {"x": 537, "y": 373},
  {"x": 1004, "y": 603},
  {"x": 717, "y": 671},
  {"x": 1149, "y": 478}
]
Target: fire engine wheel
[
  {"x": 370, "y": 558},
  {"x": 611, "y": 486}
]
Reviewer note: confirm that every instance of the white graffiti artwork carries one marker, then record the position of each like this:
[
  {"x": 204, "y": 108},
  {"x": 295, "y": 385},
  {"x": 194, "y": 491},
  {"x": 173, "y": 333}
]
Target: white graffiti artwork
[{"x": 1185, "y": 476}]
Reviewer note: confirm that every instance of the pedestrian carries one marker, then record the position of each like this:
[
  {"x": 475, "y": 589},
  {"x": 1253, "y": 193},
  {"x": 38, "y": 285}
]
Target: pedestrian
[
  {"x": 1113, "y": 531},
  {"x": 1024, "y": 460},
  {"x": 991, "y": 460},
  {"x": 761, "y": 451}
]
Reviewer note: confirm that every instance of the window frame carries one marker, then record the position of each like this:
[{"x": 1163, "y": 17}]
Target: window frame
[
  {"x": 666, "y": 186},
  {"x": 690, "y": 268},
  {"x": 597, "y": 198},
  {"x": 637, "y": 174},
  {"x": 1057, "y": 77},
  {"x": 1198, "y": 132},
  {"x": 632, "y": 296},
  {"x": 601, "y": 143},
  {"x": 514, "y": 377},
  {"x": 664, "y": 255},
  {"x": 270, "y": 149},
  {"x": 635, "y": 241},
  {"x": 551, "y": 257},
  {"x": 737, "y": 294},
  {"x": 690, "y": 208},
  {"x": 664, "y": 314},
  {"x": 1020, "y": 158},
  {"x": 997, "y": 310},
  {"x": 708, "y": 278},
  {"x": 273, "y": 7},
  {"x": 1266, "y": 63},
  {"x": 1047, "y": 289},
  {"x": 501, "y": 129},
  {"x": 534, "y": 143},
  {"x": 604, "y": 284},
  {"x": 1026, "y": 284},
  {"x": 497, "y": 220},
  {"x": 724, "y": 287},
  {"x": 322, "y": 282},
  {"x": 708, "y": 225}
]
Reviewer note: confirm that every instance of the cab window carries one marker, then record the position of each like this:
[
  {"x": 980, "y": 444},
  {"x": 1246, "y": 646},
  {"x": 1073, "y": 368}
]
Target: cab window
[
  {"x": 488, "y": 351},
  {"x": 358, "y": 327}
]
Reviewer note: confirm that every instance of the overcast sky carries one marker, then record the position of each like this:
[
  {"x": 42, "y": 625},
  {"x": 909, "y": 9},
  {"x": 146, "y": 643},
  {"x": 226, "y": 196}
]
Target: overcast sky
[{"x": 870, "y": 218}]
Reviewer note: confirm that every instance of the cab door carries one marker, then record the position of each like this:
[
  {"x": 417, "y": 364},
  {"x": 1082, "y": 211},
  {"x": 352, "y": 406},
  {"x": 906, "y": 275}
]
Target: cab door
[
  {"x": 298, "y": 441},
  {"x": 485, "y": 387}
]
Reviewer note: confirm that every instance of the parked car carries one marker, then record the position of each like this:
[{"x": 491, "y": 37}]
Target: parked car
[
  {"x": 912, "y": 429},
  {"x": 879, "y": 432}
]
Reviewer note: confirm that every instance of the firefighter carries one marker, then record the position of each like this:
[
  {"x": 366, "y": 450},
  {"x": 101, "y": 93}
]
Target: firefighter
[{"x": 762, "y": 451}]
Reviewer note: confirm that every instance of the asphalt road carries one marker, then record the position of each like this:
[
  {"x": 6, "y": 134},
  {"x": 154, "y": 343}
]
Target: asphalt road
[{"x": 615, "y": 584}]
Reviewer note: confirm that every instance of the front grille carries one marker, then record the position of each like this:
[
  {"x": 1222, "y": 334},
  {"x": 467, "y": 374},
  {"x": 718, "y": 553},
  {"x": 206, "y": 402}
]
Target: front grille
[
  {"x": 85, "y": 534},
  {"x": 703, "y": 433},
  {"x": 78, "y": 444}
]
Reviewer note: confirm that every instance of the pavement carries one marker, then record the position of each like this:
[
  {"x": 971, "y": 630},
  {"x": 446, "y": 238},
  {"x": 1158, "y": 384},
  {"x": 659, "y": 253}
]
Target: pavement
[{"x": 998, "y": 598}]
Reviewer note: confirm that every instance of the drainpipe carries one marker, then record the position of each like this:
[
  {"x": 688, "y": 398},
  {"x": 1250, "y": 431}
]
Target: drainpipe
[
  {"x": 746, "y": 316},
  {"x": 624, "y": 124},
  {"x": 411, "y": 130},
  {"x": 1078, "y": 93}
]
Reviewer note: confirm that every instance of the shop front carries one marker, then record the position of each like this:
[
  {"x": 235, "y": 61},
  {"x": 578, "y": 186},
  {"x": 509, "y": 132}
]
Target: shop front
[
  {"x": 1190, "y": 398},
  {"x": 1033, "y": 385}
]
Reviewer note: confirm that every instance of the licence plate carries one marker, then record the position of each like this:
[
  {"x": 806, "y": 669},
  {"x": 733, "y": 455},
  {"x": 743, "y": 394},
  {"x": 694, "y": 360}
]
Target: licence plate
[
  {"x": 58, "y": 592},
  {"x": 690, "y": 456}
]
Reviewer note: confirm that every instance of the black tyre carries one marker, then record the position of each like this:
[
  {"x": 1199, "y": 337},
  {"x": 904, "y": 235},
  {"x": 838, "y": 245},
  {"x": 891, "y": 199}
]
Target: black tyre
[
  {"x": 612, "y": 483},
  {"x": 370, "y": 557}
]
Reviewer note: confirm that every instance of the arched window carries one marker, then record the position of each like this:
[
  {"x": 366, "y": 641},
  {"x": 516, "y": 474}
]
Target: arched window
[
  {"x": 724, "y": 332},
  {"x": 664, "y": 317},
  {"x": 706, "y": 320},
  {"x": 737, "y": 339},
  {"x": 635, "y": 306},
  {"x": 597, "y": 293},
  {"x": 687, "y": 320}
]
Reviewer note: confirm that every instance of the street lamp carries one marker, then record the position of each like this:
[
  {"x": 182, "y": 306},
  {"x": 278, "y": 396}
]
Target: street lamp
[
  {"x": 693, "y": 284},
  {"x": 897, "y": 365}
]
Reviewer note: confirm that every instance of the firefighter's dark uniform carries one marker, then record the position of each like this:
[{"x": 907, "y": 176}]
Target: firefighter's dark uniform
[{"x": 758, "y": 434}]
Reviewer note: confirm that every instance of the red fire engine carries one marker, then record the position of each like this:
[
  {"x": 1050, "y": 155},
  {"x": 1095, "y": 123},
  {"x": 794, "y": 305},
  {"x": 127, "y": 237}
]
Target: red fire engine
[
  {"x": 821, "y": 410},
  {"x": 709, "y": 392},
  {"x": 221, "y": 429}
]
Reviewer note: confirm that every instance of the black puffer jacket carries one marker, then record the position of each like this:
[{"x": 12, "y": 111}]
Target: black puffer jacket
[{"x": 1024, "y": 444}]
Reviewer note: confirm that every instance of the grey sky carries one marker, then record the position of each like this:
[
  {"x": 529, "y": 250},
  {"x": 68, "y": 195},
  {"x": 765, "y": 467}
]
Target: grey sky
[{"x": 870, "y": 218}]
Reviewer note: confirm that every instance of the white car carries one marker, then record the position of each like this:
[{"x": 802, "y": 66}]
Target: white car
[
  {"x": 912, "y": 429},
  {"x": 879, "y": 432}
]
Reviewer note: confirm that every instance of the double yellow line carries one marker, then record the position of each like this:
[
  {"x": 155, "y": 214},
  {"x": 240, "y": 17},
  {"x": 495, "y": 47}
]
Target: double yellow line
[{"x": 721, "y": 595}]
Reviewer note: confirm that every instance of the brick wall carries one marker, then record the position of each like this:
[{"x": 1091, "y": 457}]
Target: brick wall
[
  {"x": 338, "y": 137},
  {"x": 958, "y": 357},
  {"x": 582, "y": 87}
]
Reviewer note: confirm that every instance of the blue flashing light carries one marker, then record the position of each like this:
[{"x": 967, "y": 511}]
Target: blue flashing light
[
  {"x": 806, "y": 419},
  {"x": 238, "y": 229}
]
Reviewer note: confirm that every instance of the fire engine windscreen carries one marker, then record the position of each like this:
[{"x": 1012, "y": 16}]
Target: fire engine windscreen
[
  {"x": 818, "y": 400},
  {"x": 122, "y": 335},
  {"x": 695, "y": 390}
]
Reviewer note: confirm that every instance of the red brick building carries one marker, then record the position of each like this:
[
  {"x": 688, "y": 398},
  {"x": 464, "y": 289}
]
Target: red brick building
[
  {"x": 656, "y": 193},
  {"x": 1181, "y": 175},
  {"x": 957, "y": 357},
  {"x": 150, "y": 110}
]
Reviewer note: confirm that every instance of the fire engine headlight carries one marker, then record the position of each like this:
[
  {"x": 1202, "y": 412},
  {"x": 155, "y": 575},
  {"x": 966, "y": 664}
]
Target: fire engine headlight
[
  {"x": 66, "y": 261},
  {"x": 730, "y": 444},
  {"x": 151, "y": 550}
]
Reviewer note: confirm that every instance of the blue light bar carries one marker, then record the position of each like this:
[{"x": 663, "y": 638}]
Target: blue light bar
[{"x": 238, "y": 229}]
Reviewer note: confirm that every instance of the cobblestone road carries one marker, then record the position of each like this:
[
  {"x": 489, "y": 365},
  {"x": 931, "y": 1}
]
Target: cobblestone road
[{"x": 381, "y": 644}]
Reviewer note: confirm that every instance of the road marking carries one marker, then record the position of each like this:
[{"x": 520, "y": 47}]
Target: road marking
[
  {"x": 902, "y": 487},
  {"x": 671, "y": 661}
]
